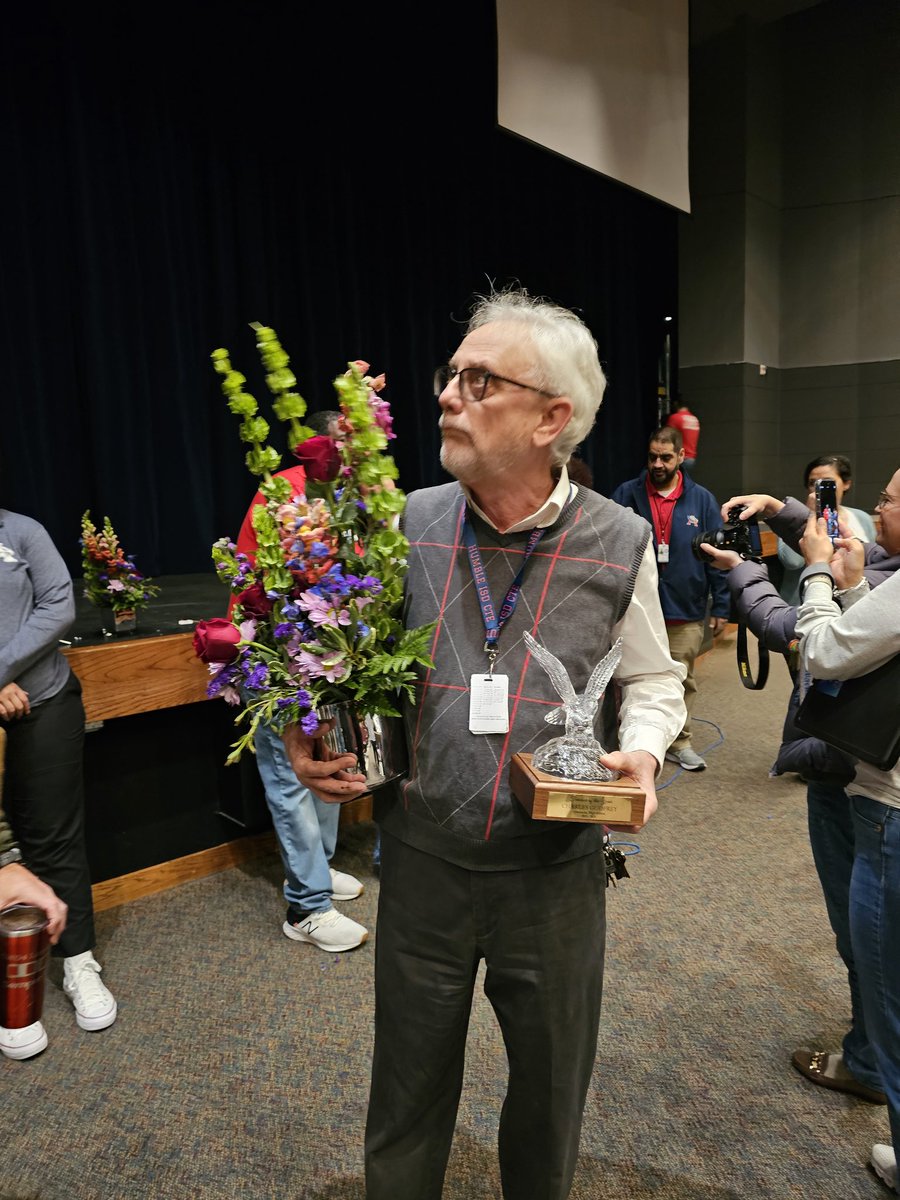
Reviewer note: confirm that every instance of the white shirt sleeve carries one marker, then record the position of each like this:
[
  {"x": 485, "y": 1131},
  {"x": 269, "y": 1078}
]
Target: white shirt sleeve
[{"x": 652, "y": 711}]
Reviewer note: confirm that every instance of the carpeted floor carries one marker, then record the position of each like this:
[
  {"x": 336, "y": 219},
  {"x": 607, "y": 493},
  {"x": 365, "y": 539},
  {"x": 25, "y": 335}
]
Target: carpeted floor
[{"x": 239, "y": 1064}]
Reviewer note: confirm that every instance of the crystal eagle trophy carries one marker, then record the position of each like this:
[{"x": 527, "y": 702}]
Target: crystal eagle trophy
[{"x": 564, "y": 780}]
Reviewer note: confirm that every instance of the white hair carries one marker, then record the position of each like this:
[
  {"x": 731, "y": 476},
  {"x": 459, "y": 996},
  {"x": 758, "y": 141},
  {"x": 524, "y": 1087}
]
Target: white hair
[{"x": 566, "y": 361}]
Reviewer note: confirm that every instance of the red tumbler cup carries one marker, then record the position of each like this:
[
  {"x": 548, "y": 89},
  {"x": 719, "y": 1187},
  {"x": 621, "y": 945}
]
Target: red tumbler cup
[{"x": 24, "y": 948}]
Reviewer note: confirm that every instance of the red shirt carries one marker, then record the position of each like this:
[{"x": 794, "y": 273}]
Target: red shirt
[
  {"x": 687, "y": 423},
  {"x": 662, "y": 508},
  {"x": 246, "y": 538}
]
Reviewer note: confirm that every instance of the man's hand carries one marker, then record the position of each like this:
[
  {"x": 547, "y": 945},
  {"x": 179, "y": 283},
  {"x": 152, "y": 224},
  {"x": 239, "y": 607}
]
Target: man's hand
[
  {"x": 330, "y": 777},
  {"x": 717, "y": 624},
  {"x": 725, "y": 560},
  {"x": 815, "y": 545},
  {"x": 846, "y": 555},
  {"x": 639, "y": 766},
  {"x": 849, "y": 560},
  {"x": 19, "y": 886},
  {"x": 756, "y": 505},
  {"x": 13, "y": 702}
]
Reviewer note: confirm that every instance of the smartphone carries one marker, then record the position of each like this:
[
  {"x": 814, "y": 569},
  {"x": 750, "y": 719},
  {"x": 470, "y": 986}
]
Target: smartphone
[{"x": 827, "y": 505}]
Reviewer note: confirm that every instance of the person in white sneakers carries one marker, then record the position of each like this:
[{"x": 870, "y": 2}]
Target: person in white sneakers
[
  {"x": 43, "y": 716},
  {"x": 305, "y": 827},
  {"x": 19, "y": 886}
]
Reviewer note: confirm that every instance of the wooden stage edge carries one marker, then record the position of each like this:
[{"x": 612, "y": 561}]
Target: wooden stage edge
[{"x": 147, "y": 882}]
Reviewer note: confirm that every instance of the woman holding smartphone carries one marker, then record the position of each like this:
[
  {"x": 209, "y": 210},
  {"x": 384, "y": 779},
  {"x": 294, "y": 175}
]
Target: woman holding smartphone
[{"x": 834, "y": 467}]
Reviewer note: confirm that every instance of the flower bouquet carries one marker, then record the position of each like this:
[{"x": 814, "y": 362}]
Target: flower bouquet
[
  {"x": 316, "y": 604},
  {"x": 111, "y": 580}
]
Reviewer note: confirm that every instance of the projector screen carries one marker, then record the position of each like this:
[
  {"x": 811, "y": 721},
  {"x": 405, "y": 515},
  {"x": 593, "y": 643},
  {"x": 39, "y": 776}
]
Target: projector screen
[{"x": 602, "y": 82}]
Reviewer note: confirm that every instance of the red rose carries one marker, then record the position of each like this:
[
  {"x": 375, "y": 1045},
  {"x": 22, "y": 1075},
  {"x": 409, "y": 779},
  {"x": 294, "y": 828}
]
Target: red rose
[
  {"x": 320, "y": 458},
  {"x": 255, "y": 602},
  {"x": 215, "y": 641}
]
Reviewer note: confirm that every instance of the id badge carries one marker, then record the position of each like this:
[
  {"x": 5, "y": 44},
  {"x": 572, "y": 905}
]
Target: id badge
[
  {"x": 662, "y": 552},
  {"x": 489, "y": 704}
]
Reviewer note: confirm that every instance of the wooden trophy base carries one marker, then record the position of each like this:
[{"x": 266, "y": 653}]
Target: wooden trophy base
[{"x": 552, "y": 798}]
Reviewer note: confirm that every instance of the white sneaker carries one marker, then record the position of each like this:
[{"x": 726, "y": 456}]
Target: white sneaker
[
  {"x": 344, "y": 887},
  {"x": 23, "y": 1043},
  {"x": 687, "y": 758},
  {"x": 329, "y": 930},
  {"x": 884, "y": 1162},
  {"x": 95, "y": 1006}
]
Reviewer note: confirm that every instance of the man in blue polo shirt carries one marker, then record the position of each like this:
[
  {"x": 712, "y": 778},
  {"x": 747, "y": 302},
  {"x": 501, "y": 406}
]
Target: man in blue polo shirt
[{"x": 678, "y": 508}]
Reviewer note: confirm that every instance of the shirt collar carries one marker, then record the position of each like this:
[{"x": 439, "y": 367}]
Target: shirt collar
[
  {"x": 545, "y": 516},
  {"x": 675, "y": 493}
]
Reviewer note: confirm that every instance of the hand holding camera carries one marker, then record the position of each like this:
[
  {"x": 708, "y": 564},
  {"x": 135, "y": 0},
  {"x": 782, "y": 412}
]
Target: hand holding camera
[
  {"x": 740, "y": 534},
  {"x": 756, "y": 505}
]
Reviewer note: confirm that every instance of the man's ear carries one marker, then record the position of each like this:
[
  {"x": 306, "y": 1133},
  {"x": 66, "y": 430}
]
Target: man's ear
[{"x": 554, "y": 418}]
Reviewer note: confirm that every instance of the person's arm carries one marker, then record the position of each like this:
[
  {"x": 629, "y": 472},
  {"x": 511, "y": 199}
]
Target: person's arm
[
  {"x": 52, "y": 614},
  {"x": 652, "y": 710},
  {"x": 843, "y": 645},
  {"x": 756, "y": 504},
  {"x": 757, "y": 603}
]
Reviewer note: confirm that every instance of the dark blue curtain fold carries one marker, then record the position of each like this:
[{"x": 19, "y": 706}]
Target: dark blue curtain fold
[{"x": 174, "y": 173}]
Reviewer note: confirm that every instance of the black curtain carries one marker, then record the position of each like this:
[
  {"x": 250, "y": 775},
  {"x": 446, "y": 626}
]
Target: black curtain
[{"x": 173, "y": 173}]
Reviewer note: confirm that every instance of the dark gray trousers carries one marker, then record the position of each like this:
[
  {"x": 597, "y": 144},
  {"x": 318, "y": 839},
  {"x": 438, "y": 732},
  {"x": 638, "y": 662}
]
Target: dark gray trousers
[
  {"x": 541, "y": 933},
  {"x": 44, "y": 803}
]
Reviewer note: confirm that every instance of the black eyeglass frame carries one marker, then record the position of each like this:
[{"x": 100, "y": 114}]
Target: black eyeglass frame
[{"x": 446, "y": 374}]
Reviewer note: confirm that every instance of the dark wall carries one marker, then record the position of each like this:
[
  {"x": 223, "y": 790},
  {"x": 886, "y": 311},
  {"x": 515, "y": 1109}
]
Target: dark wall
[{"x": 175, "y": 172}]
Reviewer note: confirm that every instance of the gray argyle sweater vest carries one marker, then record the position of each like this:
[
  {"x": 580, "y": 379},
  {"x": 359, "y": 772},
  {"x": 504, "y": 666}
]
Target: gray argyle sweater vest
[{"x": 578, "y": 582}]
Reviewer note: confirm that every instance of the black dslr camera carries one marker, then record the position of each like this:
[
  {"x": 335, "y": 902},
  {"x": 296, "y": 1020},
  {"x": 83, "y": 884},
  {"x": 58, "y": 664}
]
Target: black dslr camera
[{"x": 740, "y": 536}]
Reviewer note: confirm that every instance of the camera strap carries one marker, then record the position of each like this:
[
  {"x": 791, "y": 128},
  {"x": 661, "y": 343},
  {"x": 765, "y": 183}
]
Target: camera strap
[{"x": 762, "y": 670}]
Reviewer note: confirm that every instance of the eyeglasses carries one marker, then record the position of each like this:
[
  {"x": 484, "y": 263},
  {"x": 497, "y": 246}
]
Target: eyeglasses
[
  {"x": 473, "y": 382},
  {"x": 885, "y": 501}
]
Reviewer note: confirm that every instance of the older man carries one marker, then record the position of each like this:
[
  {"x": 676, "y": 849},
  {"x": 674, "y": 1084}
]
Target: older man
[{"x": 466, "y": 874}]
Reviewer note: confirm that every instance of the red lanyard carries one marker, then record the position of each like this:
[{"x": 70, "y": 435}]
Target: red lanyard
[{"x": 663, "y": 504}]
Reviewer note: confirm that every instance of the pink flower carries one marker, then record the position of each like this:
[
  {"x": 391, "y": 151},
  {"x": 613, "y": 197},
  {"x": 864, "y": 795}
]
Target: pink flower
[{"x": 321, "y": 611}]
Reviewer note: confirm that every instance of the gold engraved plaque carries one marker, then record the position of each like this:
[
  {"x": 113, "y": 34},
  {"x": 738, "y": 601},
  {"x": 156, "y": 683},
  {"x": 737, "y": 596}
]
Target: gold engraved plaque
[{"x": 576, "y": 806}]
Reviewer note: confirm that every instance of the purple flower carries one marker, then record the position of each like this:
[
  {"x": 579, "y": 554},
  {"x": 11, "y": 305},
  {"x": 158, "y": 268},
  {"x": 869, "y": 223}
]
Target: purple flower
[
  {"x": 310, "y": 723},
  {"x": 257, "y": 678},
  {"x": 283, "y": 630}
]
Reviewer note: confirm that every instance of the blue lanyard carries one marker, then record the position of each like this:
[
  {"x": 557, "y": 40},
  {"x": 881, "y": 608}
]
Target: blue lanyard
[{"x": 493, "y": 624}]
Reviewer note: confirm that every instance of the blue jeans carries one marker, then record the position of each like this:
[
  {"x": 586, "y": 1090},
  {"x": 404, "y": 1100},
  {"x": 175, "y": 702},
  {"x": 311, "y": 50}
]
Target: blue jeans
[
  {"x": 875, "y": 929},
  {"x": 306, "y": 827},
  {"x": 832, "y": 839}
]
